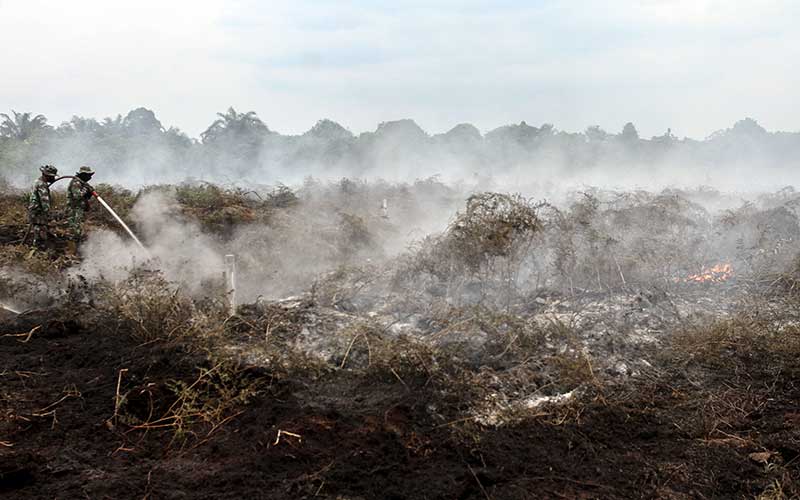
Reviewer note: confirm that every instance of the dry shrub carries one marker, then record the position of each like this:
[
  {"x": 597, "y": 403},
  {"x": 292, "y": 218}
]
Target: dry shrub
[
  {"x": 569, "y": 366},
  {"x": 282, "y": 197},
  {"x": 343, "y": 287},
  {"x": 150, "y": 308},
  {"x": 270, "y": 332},
  {"x": 783, "y": 488},
  {"x": 762, "y": 241},
  {"x": 493, "y": 225},
  {"x": 572, "y": 368},
  {"x": 205, "y": 196},
  {"x": 353, "y": 237},
  {"x": 119, "y": 198},
  {"x": 745, "y": 345},
  {"x": 480, "y": 254},
  {"x": 47, "y": 263},
  {"x": 485, "y": 335},
  {"x": 272, "y": 320},
  {"x": 785, "y": 283},
  {"x": 609, "y": 240},
  {"x": 417, "y": 364},
  {"x": 189, "y": 407},
  {"x": 217, "y": 209},
  {"x": 13, "y": 207},
  {"x": 220, "y": 209},
  {"x": 511, "y": 340},
  {"x": 210, "y": 399}
]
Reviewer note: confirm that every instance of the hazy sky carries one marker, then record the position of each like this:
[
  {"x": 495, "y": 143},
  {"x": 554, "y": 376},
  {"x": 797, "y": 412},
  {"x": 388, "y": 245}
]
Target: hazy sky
[{"x": 693, "y": 65}]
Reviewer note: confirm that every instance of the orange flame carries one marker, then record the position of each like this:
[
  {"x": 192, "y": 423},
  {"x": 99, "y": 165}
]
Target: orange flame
[{"x": 715, "y": 274}]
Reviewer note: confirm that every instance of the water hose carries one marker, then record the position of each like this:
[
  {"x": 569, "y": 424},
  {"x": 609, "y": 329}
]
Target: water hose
[{"x": 102, "y": 202}]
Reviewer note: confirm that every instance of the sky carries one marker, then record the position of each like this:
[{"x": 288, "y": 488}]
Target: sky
[{"x": 695, "y": 66}]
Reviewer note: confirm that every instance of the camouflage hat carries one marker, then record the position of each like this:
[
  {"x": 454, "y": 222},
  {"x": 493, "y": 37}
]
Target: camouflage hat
[
  {"x": 86, "y": 170},
  {"x": 49, "y": 170}
]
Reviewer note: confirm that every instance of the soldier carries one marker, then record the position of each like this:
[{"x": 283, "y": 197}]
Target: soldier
[
  {"x": 79, "y": 193},
  {"x": 39, "y": 205}
]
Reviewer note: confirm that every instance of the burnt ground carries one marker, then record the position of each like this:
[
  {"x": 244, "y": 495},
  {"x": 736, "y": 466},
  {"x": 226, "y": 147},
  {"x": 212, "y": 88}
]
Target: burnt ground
[
  {"x": 94, "y": 403},
  {"x": 339, "y": 434}
]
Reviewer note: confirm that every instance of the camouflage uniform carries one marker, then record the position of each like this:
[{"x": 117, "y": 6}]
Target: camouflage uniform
[
  {"x": 39, "y": 206},
  {"x": 79, "y": 193}
]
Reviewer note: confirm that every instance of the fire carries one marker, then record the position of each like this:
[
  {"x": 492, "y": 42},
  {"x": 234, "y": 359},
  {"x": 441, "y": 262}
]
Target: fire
[{"x": 716, "y": 274}]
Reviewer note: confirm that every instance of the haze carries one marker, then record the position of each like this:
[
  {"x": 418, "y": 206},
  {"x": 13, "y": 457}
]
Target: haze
[{"x": 692, "y": 66}]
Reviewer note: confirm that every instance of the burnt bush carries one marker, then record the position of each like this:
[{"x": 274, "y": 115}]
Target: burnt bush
[
  {"x": 150, "y": 308},
  {"x": 483, "y": 248}
]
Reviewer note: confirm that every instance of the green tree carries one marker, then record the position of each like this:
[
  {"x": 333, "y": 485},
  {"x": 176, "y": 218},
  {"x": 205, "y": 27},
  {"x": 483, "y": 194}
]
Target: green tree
[
  {"x": 22, "y": 126},
  {"x": 142, "y": 121},
  {"x": 596, "y": 134},
  {"x": 232, "y": 125},
  {"x": 629, "y": 133},
  {"x": 79, "y": 125}
]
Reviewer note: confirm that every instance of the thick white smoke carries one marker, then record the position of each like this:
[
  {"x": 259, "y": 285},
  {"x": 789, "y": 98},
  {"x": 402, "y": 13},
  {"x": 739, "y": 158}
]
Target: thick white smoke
[{"x": 175, "y": 246}]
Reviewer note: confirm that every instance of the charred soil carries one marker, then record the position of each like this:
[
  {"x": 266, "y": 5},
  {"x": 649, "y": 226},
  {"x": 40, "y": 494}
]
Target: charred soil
[{"x": 66, "y": 434}]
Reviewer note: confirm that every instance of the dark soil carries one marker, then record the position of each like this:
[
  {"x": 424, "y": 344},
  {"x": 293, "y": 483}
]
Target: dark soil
[
  {"x": 345, "y": 435},
  {"x": 12, "y": 234}
]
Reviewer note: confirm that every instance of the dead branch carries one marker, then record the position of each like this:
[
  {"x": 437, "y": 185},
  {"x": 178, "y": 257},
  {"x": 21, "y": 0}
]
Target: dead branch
[
  {"x": 26, "y": 335},
  {"x": 286, "y": 433}
]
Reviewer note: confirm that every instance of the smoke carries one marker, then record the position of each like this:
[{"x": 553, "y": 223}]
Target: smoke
[
  {"x": 592, "y": 239},
  {"x": 338, "y": 222},
  {"x": 20, "y": 290},
  {"x": 175, "y": 246},
  {"x": 334, "y": 225},
  {"x": 138, "y": 150}
]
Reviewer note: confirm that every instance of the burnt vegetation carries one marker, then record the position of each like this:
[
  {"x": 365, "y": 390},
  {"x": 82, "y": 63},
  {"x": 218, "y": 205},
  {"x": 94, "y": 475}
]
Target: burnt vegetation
[{"x": 610, "y": 345}]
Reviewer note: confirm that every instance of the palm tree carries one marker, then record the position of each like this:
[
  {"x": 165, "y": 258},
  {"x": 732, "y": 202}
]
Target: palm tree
[
  {"x": 22, "y": 126},
  {"x": 232, "y": 124},
  {"x": 80, "y": 125}
]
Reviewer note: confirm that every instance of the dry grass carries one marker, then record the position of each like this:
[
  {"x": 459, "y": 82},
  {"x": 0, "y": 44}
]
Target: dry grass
[
  {"x": 150, "y": 308},
  {"x": 342, "y": 287},
  {"x": 13, "y": 205},
  {"x": 747, "y": 345},
  {"x": 775, "y": 491},
  {"x": 469, "y": 287},
  {"x": 192, "y": 410},
  {"x": 38, "y": 262}
]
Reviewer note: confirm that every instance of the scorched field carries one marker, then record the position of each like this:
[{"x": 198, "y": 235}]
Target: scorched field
[{"x": 413, "y": 340}]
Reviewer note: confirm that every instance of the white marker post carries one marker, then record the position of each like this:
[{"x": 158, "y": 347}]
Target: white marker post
[
  {"x": 230, "y": 281},
  {"x": 385, "y": 208}
]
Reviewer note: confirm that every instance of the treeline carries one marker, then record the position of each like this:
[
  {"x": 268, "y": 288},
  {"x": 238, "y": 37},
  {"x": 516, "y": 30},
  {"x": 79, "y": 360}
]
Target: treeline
[{"x": 239, "y": 147}]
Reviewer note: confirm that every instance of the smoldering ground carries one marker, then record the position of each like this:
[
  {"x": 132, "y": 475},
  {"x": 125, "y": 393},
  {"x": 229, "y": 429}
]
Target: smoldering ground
[
  {"x": 648, "y": 236},
  {"x": 285, "y": 239},
  {"x": 464, "y": 320}
]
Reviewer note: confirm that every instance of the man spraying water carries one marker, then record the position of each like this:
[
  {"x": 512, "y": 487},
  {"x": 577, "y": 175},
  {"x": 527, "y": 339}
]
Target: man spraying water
[
  {"x": 79, "y": 193},
  {"x": 83, "y": 192}
]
